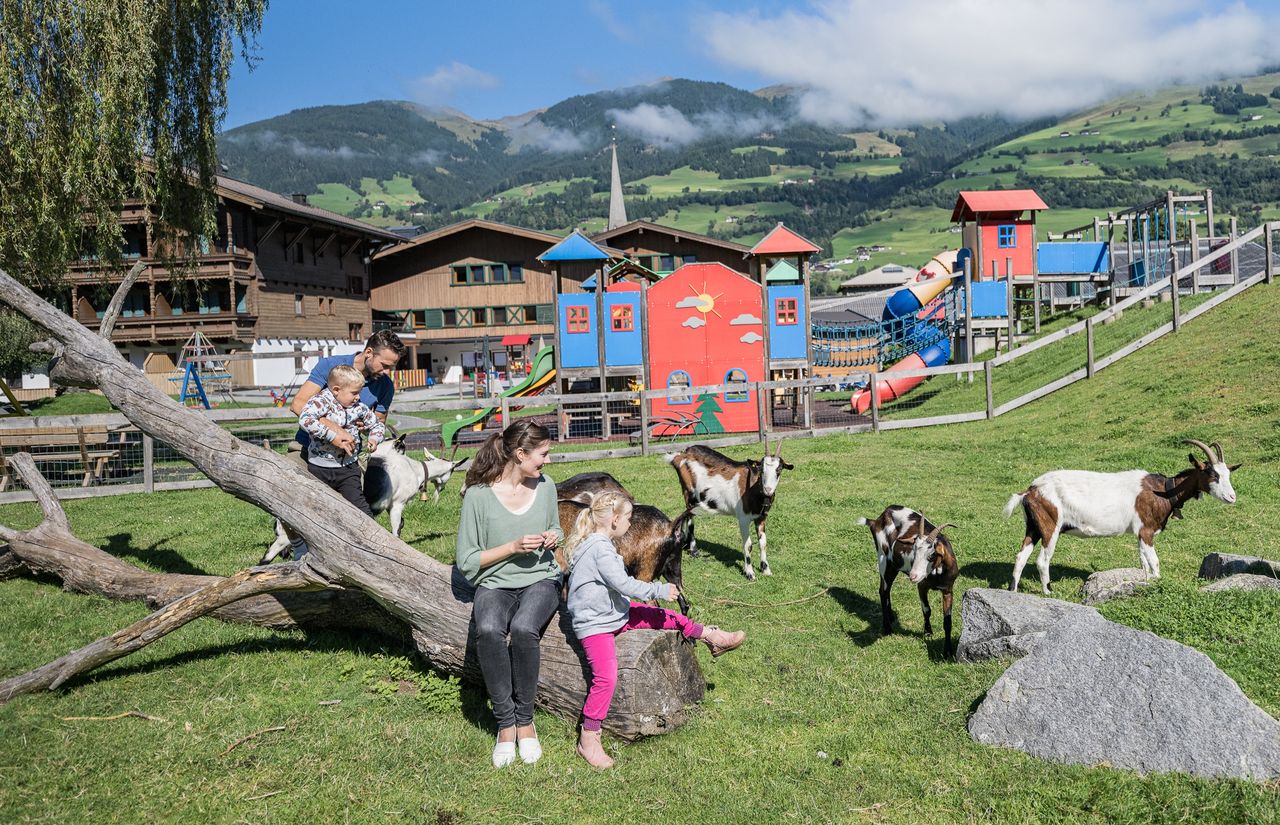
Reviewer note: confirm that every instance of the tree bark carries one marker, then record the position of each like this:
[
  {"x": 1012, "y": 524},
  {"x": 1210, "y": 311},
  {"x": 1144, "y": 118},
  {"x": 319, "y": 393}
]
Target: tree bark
[{"x": 658, "y": 674}]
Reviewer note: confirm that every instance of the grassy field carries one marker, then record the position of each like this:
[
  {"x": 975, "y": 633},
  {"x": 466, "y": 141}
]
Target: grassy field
[
  {"x": 817, "y": 719},
  {"x": 912, "y": 235},
  {"x": 699, "y": 217},
  {"x": 396, "y": 193}
]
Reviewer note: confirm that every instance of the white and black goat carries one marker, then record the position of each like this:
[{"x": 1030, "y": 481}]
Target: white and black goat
[
  {"x": 1087, "y": 504},
  {"x": 907, "y": 540},
  {"x": 714, "y": 484},
  {"x": 653, "y": 545},
  {"x": 391, "y": 480}
]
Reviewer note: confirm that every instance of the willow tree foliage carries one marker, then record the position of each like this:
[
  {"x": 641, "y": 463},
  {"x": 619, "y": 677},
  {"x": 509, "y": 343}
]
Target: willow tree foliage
[{"x": 107, "y": 101}]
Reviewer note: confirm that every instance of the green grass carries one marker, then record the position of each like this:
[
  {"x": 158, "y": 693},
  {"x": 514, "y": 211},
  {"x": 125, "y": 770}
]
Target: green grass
[
  {"x": 84, "y": 403},
  {"x": 698, "y": 180},
  {"x": 696, "y": 217},
  {"x": 913, "y": 235},
  {"x": 817, "y": 718}
]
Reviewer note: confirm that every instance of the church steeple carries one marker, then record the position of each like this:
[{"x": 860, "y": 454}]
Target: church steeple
[{"x": 617, "y": 209}]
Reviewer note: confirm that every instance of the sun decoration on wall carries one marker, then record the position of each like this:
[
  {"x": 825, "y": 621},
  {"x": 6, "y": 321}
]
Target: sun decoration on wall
[{"x": 706, "y": 302}]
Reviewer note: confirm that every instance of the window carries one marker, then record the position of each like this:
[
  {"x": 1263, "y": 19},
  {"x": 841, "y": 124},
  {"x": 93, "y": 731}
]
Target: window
[
  {"x": 578, "y": 319},
  {"x": 736, "y": 376},
  {"x": 330, "y": 307},
  {"x": 449, "y": 318},
  {"x": 690, "y": 259},
  {"x": 355, "y": 284},
  {"x": 479, "y": 316},
  {"x": 459, "y": 275},
  {"x": 135, "y": 240},
  {"x": 475, "y": 274},
  {"x": 678, "y": 384},
  {"x": 667, "y": 263},
  {"x": 646, "y": 261},
  {"x": 320, "y": 306},
  {"x": 530, "y": 313},
  {"x": 1006, "y": 236},
  {"x": 515, "y": 273},
  {"x": 354, "y": 333},
  {"x": 498, "y": 274},
  {"x": 297, "y": 358},
  {"x": 297, "y": 304},
  {"x": 621, "y": 318},
  {"x": 784, "y": 311}
]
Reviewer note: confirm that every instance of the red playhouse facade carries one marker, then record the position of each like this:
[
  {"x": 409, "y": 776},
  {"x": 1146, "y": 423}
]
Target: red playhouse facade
[
  {"x": 706, "y": 328},
  {"x": 1000, "y": 227}
]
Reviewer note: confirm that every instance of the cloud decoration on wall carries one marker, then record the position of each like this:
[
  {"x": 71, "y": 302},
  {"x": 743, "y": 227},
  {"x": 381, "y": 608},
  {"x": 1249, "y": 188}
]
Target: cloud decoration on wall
[
  {"x": 692, "y": 302},
  {"x": 694, "y": 321},
  {"x": 744, "y": 318},
  {"x": 751, "y": 338}
]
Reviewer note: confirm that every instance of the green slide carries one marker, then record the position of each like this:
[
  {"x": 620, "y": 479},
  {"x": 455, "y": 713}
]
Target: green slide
[{"x": 540, "y": 377}]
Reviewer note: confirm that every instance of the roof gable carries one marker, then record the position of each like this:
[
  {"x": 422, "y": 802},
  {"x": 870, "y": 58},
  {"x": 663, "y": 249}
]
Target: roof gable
[
  {"x": 259, "y": 198},
  {"x": 782, "y": 271},
  {"x": 474, "y": 223},
  {"x": 782, "y": 241},
  {"x": 649, "y": 226},
  {"x": 970, "y": 204},
  {"x": 576, "y": 247}
]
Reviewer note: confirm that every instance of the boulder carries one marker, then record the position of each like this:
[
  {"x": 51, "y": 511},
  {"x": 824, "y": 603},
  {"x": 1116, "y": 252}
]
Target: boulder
[
  {"x": 1218, "y": 565},
  {"x": 999, "y": 623},
  {"x": 1099, "y": 693},
  {"x": 1243, "y": 581},
  {"x": 1113, "y": 584}
]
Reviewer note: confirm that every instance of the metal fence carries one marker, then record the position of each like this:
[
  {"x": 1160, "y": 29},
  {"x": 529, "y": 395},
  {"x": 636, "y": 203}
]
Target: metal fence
[{"x": 87, "y": 455}]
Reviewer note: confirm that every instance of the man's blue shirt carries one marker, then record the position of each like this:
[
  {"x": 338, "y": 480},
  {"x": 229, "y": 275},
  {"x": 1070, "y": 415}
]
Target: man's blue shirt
[{"x": 376, "y": 393}]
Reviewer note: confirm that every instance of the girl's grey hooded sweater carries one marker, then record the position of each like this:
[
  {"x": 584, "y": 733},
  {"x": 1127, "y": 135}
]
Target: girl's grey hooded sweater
[{"x": 600, "y": 591}]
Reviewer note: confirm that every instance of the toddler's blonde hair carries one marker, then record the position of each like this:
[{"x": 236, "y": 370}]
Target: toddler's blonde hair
[
  {"x": 344, "y": 375},
  {"x": 595, "y": 515}
]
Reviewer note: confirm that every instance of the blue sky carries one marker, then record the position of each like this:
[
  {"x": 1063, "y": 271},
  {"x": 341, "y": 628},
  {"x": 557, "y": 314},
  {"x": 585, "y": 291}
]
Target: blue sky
[{"x": 863, "y": 60}]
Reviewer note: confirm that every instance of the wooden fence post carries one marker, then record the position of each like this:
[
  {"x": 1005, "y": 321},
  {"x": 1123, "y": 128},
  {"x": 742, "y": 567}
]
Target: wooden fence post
[
  {"x": 1035, "y": 298},
  {"x": 1194, "y": 232},
  {"x": 1235, "y": 254},
  {"x": 762, "y": 420},
  {"x": 991, "y": 407},
  {"x": 1270, "y": 245},
  {"x": 1175, "y": 289},
  {"x": 644, "y": 424},
  {"x": 1088, "y": 347},
  {"x": 506, "y": 411},
  {"x": 875, "y": 404},
  {"x": 148, "y": 463}
]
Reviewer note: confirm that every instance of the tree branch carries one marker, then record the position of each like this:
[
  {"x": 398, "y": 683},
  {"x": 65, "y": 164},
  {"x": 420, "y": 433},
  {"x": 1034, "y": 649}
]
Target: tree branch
[{"x": 112, "y": 313}]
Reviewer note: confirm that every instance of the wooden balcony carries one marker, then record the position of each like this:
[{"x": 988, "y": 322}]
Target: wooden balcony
[
  {"x": 237, "y": 264},
  {"x": 219, "y": 326}
]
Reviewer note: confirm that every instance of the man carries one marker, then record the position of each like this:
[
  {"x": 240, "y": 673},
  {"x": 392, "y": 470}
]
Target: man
[{"x": 381, "y": 353}]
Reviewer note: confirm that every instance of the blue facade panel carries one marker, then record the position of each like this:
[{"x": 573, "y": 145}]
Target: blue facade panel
[
  {"x": 577, "y": 339},
  {"x": 622, "y": 347},
  {"x": 788, "y": 330},
  {"x": 1074, "y": 258},
  {"x": 990, "y": 299}
]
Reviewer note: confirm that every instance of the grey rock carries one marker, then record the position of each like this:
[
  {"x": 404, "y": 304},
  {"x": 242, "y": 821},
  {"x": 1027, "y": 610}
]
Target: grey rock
[
  {"x": 999, "y": 623},
  {"x": 1218, "y": 565},
  {"x": 1096, "y": 692},
  {"x": 1243, "y": 581},
  {"x": 1113, "y": 584}
]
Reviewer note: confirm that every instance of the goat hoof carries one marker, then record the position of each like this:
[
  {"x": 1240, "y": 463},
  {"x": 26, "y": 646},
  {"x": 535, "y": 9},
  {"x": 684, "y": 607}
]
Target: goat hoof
[
  {"x": 765, "y": 569},
  {"x": 751, "y": 576}
]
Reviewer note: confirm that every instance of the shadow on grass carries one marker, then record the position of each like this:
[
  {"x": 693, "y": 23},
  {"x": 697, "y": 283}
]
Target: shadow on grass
[
  {"x": 121, "y": 546},
  {"x": 1000, "y": 574},
  {"x": 865, "y": 609},
  {"x": 730, "y": 557}
]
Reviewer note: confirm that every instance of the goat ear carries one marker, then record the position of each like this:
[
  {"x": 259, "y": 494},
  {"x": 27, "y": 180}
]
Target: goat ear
[
  {"x": 753, "y": 472},
  {"x": 1195, "y": 462},
  {"x": 1235, "y": 467},
  {"x": 786, "y": 465}
]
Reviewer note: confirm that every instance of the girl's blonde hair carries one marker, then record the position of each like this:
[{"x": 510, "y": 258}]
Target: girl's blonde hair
[{"x": 603, "y": 506}]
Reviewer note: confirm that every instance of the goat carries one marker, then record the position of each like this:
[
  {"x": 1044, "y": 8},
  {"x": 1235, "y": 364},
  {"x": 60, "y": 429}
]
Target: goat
[
  {"x": 653, "y": 545},
  {"x": 583, "y": 486},
  {"x": 927, "y": 556},
  {"x": 1087, "y": 504},
  {"x": 715, "y": 484},
  {"x": 391, "y": 480}
]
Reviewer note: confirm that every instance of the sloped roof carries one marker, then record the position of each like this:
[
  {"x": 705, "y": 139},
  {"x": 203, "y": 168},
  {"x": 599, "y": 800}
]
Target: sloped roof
[
  {"x": 649, "y": 226},
  {"x": 968, "y": 204},
  {"x": 782, "y": 271},
  {"x": 258, "y": 197},
  {"x": 887, "y": 275},
  {"x": 576, "y": 247},
  {"x": 782, "y": 241},
  {"x": 474, "y": 223}
]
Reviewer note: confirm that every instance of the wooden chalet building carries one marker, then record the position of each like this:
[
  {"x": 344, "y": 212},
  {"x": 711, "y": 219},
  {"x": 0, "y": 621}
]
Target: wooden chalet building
[
  {"x": 281, "y": 277},
  {"x": 474, "y": 286},
  {"x": 662, "y": 250}
]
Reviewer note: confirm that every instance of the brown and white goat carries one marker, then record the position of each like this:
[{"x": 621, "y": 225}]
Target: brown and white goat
[
  {"x": 714, "y": 484},
  {"x": 907, "y": 540},
  {"x": 653, "y": 545},
  {"x": 1086, "y": 504}
]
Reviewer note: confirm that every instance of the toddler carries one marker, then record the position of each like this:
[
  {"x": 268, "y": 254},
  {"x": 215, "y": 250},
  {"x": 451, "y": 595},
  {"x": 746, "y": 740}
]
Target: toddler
[
  {"x": 600, "y": 608},
  {"x": 335, "y": 419}
]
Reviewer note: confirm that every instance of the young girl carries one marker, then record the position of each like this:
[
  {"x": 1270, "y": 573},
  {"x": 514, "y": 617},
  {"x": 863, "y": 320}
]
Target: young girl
[{"x": 598, "y": 604}]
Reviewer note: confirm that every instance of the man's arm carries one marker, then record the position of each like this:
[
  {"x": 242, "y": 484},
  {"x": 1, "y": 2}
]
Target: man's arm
[{"x": 305, "y": 393}]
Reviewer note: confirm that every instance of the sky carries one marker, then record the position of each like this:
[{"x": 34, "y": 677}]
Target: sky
[{"x": 861, "y": 61}]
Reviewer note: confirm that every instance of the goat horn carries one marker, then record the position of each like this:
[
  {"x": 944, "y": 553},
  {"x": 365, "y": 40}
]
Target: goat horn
[
  {"x": 454, "y": 454},
  {"x": 1208, "y": 452},
  {"x": 938, "y": 529},
  {"x": 1221, "y": 458}
]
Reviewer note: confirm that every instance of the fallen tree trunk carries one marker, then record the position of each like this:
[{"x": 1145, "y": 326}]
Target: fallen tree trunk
[{"x": 658, "y": 675}]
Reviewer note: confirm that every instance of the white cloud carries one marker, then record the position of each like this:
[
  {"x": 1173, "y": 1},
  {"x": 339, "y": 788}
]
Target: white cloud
[
  {"x": 269, "y": 138},
  {"x": 605, "y": 16},
  {"x": 668, "y": 126},
  {"x": 549, "y": 138},
  {"x": 692, "y": 302},
  {"x": 870, "y": 62},
  {"x": 744, "y": 318},
  {"x": 444, "y": 82},
  {"x": 751, "y": 338},
  {"x": 694, "y": 322}
]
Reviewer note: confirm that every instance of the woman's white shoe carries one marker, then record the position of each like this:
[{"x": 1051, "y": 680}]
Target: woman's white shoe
[
  {"x": 504, "y": 753},
  {"x": 530, "y": 750}
]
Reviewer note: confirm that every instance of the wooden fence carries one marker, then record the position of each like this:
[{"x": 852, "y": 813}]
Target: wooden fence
[{"x": 805, "y": 395}]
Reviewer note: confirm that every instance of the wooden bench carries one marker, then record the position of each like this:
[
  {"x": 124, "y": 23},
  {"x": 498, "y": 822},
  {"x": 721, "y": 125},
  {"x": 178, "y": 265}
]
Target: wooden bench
[{"x": 92, "y": 447}]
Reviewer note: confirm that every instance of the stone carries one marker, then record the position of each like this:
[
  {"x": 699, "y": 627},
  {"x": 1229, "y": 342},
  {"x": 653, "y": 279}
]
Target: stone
[
  {"x": 1113, "y": 584},
  {"x": 1243, "y": 581},
  {"x": 1100, "y": 693},
  {"x": 1218, "y": 565},
  {"x": 999, "y": 623}
]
